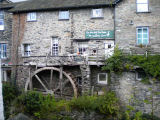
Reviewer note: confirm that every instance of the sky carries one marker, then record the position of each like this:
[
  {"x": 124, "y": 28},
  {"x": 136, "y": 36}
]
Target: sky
[{"x": 16, "y": 0}]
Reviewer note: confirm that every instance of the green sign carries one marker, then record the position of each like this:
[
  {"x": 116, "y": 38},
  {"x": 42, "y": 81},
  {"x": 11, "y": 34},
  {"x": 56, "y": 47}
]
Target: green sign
[{"x": 99, "y": 34}]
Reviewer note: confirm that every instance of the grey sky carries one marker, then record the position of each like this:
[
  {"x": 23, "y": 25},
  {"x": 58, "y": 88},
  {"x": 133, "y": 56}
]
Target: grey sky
[{"x": 16, "y": 0}]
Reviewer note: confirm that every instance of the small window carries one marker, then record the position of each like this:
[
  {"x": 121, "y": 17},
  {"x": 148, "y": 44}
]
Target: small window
[
  {"x": 3, "y": 50},
  {"x": 63, "y": 15},
  {"x": 55, "y": 47},
  {"x": 97, "y": 13},
  {"x": 140, "y": 75},
  {"x": 142, "y": 35},
  {"x": 31, "y": 16},
  {"x": 142, "y": 6},
  {"x": 1, "y": 20},
  {"x": 82, "y": 48},
  {"x": 27, "y": 49},
  {"x": 102, "y": 78}
]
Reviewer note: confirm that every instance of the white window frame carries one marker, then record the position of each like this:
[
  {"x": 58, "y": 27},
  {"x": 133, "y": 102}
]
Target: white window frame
[
  {"x": 26, "y": 52},
  {"x": 2, "y": 20},
  {"x": 102, "y": 82},
  {"x": 94, "y": 15},
  {"x": 142, "y": 4},
  {"x": 55, "y": 46},
  {"x": 137, "y": 78},
  {"x": 32, "y": 16},
  {"x": 84, "y": 48},
  {"x": 64, "y": 15},
  {"x": 3, "y": 50},
  {"x": 142, "y": 35}
]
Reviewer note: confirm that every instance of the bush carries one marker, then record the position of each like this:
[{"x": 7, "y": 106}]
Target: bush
[
  {"x": 10, "y": 92},
  {"x": 30, "y": 102}
]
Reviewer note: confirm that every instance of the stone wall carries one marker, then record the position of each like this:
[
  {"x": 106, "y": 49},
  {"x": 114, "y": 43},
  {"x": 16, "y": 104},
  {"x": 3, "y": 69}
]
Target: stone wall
[
  {"x": 125, "y": 31},
  {"x": 133, "y": 92}
]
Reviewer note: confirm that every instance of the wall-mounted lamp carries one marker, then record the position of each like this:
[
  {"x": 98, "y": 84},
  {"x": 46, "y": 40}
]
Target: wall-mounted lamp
[{"x": 131, "y": 22}]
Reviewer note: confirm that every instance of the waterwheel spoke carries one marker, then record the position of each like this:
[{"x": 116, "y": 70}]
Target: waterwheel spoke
[
  {"x": 41, "y": 82},
  {"x": 51, "y": 79}
]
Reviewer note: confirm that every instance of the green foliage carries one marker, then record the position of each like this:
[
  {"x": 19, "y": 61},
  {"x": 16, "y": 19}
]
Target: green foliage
[
  {"x": 120, "y": 62},
  {"x": 115, "y": 63},
  {"x": 30, "y": 101},
  {"x": 84, "y": 103},
  {"x": 46, "y": 107},
  {"x": 10, "y": 92},
  {"x": 108, "y": 104}
]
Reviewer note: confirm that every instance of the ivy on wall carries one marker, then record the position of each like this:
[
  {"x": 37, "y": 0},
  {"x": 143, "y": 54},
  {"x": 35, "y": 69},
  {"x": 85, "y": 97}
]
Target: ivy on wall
[{"x": 120, "y": 62}]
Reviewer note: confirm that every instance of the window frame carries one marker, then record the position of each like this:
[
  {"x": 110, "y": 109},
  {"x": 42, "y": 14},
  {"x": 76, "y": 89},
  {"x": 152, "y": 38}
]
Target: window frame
[
  {"x": 56, "y": 53},
  {"x": 2, "y": 20},
  {"x": 137, "y": 72},
  {"x": 30, "y": 17},
  {"x": 3, "y": 52},
  {"x": 92, "y": 11},
  {"x": 141, "y": 4},
  {"x": 102, "y": 82},
  {"x": 142, "y": 27},
  {"x": 62, "y": 12},
  {"x": 82, "y": 45},
  {"x": 24, "y": 50}
]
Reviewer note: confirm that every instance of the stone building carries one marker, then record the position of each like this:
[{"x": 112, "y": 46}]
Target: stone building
[
  {"x": 60, "y": 46},
  {"x": 5, "y": 38}
]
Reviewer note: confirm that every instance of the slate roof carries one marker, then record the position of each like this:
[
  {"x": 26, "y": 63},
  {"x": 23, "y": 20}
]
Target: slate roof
[{"x": 42, "y": 5}]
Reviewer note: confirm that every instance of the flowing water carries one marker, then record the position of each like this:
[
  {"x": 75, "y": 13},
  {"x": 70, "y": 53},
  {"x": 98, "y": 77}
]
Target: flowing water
[{"x": 1, "y": 96}]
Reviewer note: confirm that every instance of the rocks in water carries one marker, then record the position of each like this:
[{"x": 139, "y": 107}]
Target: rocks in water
[{"x": 20, "y": 116}]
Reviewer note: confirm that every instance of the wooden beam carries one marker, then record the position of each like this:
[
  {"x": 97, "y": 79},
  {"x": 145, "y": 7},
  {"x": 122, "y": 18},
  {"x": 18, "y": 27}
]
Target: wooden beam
[
  {"x": 61, "y": 78},
  {"x": 41, "y": 82},
  {"x": 51, "y": 80},
  {"x": 30, "y": 80}
]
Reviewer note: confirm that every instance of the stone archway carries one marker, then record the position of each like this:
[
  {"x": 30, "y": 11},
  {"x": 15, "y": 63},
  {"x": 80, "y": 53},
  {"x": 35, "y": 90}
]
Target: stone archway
[{"x": 46, "y": 85}]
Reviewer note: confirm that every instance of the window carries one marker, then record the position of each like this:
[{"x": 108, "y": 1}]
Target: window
[
  {"x": 97, "y": 13},
  {"x": 55, "y": 47},
  {"x": 142, "y": 35},
  {"x": 102, "y": 78},
  {"x": 142, "y": 5},
  {"x": 31, "y": 16},
  {"x": 63, "y": 15},
  {"x": 140, "y": 75},
  {"x": 3, "y": 50},
  {"x": 82, "y": 48},
  {"x": 27, "y": 49},
  {"x": 1, "y": 20}
]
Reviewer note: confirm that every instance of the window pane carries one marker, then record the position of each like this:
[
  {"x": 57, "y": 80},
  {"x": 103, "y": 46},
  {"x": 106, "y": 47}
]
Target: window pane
[
  {"x": 102, "y": 77},
  {"x": 139, "y": 31},
  {"x": 31, "y": 16},
  {"x": 145, "y": 41},
  {"x": 139, "y": 36},
  {"x": 142, "y": 1},
  {"x": 145, "y": 30},
  {"x": 142, "y": 7},
  {"x": 145, "y": 36},
  {"x": 64, "y": 15},
  {"x": 97, "y": 13},
  {"x": 139, "y": 41}
]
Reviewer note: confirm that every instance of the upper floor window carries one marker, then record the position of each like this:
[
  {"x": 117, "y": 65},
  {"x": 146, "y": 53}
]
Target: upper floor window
[
  {"x": 82, "y": 48},
  {"x": 27, "y": 49},
  {"x": 142, "y": 6},
  {"x": 63, "y": 15},
  {"x": 102, "y": 78},
  {"x": 142, "y": 35},
  {"x": 55, "y": 47},
  {"x": 31, "y": 16},
  {"x": 97, "y": 13},
  {"x": 1, "y": 20},
  {"x": 3, "y": 50}
]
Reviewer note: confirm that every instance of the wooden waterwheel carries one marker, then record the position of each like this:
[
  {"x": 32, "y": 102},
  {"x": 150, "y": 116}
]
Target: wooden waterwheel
[{"x": 52, "y": 80}]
